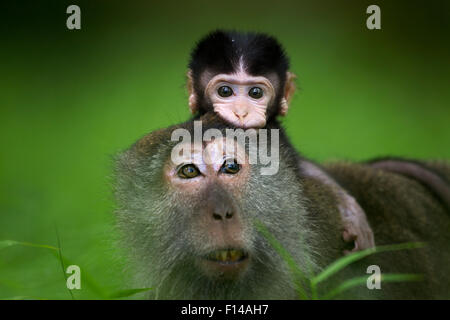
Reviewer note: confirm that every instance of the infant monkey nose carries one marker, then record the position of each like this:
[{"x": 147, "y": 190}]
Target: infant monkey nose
[{"x": 240, "y": 115}]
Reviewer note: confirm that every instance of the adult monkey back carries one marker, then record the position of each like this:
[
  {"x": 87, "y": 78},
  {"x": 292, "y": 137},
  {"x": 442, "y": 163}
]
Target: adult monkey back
[
  {"x": 244, "y": 78},
  {"x": 191, "y": 228}
]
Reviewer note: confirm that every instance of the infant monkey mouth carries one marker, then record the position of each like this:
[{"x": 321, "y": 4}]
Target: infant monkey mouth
[{"x": 227, "y": 256}]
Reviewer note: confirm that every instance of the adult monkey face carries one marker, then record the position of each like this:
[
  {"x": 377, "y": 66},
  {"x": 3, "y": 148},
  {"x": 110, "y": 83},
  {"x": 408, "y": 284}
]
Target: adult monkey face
[
  {"x": 210, "y": 179},
  {"x": 245, "y": 81},
  {"x": 191, "y": 223}
]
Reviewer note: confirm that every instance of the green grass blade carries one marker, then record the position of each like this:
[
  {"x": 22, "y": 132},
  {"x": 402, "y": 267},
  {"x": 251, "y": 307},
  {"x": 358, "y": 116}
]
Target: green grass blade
[
  {"x": 286, "y": 256},
  {"x": 63, "y": 266},
  {"x": 126, "y": 293},
  {"x": 345, "y": 261},
  {"x": 23, "y": 298},
  {"x": 389, "y": 277},
  {"x": 86, "y": 278},
  {"x": 10, "y": 243}
]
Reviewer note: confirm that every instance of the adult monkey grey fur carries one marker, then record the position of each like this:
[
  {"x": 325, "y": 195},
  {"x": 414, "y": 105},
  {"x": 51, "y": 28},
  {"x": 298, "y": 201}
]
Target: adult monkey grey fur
[{"x": 171, "y": 230}]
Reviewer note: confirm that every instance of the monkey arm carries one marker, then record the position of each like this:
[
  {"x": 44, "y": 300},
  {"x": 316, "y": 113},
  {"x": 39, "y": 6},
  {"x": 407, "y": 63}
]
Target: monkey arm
[{"x": 356, "y": 228}]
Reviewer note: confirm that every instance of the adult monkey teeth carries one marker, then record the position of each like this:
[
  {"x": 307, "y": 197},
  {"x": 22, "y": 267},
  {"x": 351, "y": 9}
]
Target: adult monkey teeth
[{"x": 227, "y": 255}]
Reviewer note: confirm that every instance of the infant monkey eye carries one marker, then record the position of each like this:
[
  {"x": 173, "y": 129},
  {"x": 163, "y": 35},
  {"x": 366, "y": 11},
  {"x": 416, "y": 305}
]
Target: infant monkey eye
[
  {"x": 230, "y": 167},
  {"x": 188, "y": 171},
  {"x": 225, "y": 91},
  {"x": 255, "y": 92}
]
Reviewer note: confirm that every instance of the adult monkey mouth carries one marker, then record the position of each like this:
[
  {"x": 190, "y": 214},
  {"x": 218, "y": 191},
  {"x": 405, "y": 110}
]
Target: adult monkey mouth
[
  {"x": 227, "y": 256},
  {"x": 227, "y": 264}
]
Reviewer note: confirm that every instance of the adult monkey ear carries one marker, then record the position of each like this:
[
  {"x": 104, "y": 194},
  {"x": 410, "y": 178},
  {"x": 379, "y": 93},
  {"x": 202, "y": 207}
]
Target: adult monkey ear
[
  {"x": 289, "y": 89},
  {"x": 192, "y": 96}
]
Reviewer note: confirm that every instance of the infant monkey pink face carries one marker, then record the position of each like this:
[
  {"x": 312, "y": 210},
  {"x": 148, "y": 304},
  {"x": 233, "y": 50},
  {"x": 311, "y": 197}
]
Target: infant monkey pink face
[{"x": 240, "y": 98}]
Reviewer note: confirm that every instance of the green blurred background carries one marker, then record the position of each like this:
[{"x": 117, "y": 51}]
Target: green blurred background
[{"x": 70, "y": 100}]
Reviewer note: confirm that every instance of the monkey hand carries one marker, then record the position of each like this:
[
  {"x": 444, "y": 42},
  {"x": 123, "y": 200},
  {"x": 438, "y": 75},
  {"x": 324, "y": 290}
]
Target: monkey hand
[{"x": 356, "y": 228}]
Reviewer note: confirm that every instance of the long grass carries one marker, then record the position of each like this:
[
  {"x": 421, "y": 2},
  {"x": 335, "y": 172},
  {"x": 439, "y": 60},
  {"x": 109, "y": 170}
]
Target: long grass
[
  {"x": 87, "y": 279},
  {"x": 300, "y": 277},
  {"x": 338, "y": 265}
]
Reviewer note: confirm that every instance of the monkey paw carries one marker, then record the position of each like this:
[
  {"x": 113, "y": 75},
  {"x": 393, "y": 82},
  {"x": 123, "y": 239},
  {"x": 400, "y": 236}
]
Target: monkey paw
[{"x": 356, "y": 228}]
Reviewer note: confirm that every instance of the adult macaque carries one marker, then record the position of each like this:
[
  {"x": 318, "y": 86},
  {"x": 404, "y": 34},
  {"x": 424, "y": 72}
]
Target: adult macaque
[
  {"x": 191, "y": 226},
  {"x": 244, "y": 78}
]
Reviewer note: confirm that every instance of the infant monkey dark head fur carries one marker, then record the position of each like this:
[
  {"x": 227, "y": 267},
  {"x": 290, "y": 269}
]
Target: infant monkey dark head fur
[{"x": 243, "y": 77}]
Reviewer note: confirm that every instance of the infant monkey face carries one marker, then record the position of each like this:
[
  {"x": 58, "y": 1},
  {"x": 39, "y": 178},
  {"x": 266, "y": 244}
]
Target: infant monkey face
[{"x": 241, "y": 99}]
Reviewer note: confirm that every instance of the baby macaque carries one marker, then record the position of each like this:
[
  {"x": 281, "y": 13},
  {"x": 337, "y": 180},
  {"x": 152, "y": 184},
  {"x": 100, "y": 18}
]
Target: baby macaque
[{"x": 244, "y": 78}]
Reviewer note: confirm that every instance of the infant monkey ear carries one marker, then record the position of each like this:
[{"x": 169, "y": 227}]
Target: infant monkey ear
[{"x": 289, "y": 89}]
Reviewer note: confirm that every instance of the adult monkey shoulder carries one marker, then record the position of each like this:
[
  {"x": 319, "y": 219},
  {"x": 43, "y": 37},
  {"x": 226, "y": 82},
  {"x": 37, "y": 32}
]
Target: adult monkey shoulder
[{"x": 244, "y": 78}]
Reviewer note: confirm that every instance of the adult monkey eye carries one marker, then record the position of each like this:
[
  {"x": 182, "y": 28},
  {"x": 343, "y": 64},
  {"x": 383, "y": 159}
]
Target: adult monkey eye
[
  {"x": 230, "y": 167},
  {"x": 225, "y": 91},
  {"x": 188, "y": 171},
  {"x": 255, "y": 92}
]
